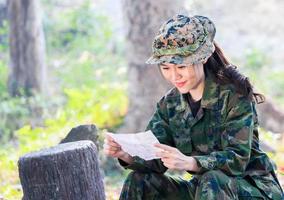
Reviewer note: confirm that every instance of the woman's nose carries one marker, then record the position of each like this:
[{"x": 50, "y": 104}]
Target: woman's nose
[{"x": 175, "y": 75}]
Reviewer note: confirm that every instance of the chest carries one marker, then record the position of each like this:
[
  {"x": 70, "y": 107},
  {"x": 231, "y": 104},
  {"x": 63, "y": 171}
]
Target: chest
[{"x": 198, "y": 135}]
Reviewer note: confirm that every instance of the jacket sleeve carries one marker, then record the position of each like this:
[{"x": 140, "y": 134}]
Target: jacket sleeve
[
  {"x": 160, "y": 127},
  {"x": 236, "y": 140}
]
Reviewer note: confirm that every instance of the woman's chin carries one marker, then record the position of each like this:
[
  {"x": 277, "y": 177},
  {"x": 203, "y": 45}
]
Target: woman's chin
[{"x": 182, "y": 90}]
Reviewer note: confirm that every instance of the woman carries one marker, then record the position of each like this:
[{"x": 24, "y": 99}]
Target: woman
[{"x": 207, "y": 124}]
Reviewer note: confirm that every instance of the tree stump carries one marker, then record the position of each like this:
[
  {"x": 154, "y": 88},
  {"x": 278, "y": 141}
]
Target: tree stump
[
  {"x": 67, "y": 171},
  {"x": 82, "y": 132}
]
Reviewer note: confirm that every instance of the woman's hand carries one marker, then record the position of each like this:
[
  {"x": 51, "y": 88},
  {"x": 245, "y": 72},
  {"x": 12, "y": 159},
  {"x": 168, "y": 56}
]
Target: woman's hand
[
  {"x": 172, "y": 158},
  {"x": 113, "y": 149}
]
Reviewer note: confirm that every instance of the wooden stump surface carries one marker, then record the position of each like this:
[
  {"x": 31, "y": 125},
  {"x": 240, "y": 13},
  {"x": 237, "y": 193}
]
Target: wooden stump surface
[{"x": 68, "y": 171}]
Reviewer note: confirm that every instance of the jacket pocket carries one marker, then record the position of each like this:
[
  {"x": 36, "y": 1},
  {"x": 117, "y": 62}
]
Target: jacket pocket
[
  {"x": 214, "y": 138},
  {"x": 181, "y": 134}
]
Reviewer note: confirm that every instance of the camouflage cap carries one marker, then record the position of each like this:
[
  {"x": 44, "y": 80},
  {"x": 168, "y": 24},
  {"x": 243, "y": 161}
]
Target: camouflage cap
[{"x": 184, "y": 40}]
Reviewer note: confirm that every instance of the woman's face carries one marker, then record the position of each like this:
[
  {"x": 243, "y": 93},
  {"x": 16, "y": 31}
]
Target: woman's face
[{"x": 183, "y": 77}]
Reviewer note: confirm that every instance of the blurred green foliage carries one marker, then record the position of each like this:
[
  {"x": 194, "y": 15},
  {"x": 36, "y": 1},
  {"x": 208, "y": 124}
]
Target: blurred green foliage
[
  {"x": 4, "y": 37},
  {"x": 265, "y": 78},
  {"x": 88, "y": 73},
  {"x": 84, "y": 28},
  {"x": 17, "y": 111},
  {"x": 103, "y": 106},
  {"x": 3, "y": 78}
]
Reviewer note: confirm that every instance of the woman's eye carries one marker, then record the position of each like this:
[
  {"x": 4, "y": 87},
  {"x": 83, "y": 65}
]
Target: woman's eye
[
  {"x": 182, "y": 67},
  {"x": 165, "y": 68}
]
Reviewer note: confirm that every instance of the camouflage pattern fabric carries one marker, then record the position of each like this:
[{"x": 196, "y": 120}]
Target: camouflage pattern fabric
[
  {"x": 223, "y": 138},
  {"x": 212, "y": 185},
  {"x": 184, "y": 40}
]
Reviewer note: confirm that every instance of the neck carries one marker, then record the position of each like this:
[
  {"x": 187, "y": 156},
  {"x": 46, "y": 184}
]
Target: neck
[{"x": 197, "y": 92}]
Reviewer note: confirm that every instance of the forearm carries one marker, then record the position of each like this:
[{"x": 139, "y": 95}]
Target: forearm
[{"x": 231, "y": 162}]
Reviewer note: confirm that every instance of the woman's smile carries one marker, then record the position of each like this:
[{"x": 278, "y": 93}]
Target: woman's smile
[{"x": 180, "y": 84}]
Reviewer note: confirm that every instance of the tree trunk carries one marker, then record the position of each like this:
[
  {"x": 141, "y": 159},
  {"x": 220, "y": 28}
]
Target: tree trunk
[
  {"x": 3, "y": 13},
  {"x": 66, "y": 171},
  {"x": 27, "y": 48},
  {"x": 271, "y": 116},
  {"x": 3, "y": 18},
  {"x": 146, "y": 86}
]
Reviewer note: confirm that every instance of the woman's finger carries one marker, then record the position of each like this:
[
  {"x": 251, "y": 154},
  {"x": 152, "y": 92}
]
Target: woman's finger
[
  {"x": 165, "y": 147},
  {"x": 111, "y": 151},
  {"x": 113, "y": 148},
  {"x": 115, "y": 144},
  {"x": 109, "y": 137},
  {"x": 111, "y": 143},
  {"x": 108, "y": 147},
  {"x": 162, "y": 153},
  {"x": 167, "y": 154}
]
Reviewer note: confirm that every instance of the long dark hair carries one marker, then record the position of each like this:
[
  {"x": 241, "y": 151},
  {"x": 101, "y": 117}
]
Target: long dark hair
[{"x": 226, "y": 73}]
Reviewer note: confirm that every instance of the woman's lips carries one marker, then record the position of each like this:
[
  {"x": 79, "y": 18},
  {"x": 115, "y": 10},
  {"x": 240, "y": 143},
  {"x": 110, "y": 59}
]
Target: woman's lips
[{"x": 180, "y": 84}]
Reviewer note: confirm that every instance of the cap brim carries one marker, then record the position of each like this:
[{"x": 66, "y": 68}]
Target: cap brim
[{"x": 200, "y": 56}]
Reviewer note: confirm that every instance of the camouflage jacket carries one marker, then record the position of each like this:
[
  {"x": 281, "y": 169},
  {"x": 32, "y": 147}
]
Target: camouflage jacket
[{"x": 223, "y": 135}]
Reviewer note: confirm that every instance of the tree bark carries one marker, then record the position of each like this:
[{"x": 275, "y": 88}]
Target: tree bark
[
  {"x": 82, "y": 132},
  {"x": 27, "y": 48},
  {"x": 3, "y": 13},
  {"x": 3, "y": 18},
  {"x": 146, "y": 86},
  {"x": 271, "y": 116},
  {"x": 66, "y": 171}
]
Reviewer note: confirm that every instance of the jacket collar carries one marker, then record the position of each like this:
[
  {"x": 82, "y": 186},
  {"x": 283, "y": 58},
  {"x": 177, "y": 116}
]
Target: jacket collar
[{"x": 211, "y": 93}]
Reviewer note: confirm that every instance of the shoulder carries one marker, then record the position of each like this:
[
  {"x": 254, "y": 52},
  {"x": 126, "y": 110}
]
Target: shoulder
[
  {"x": 233, "y": 100},
  {"x": 171, "y": 95},
  {"x": 169, "y": 101}
]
